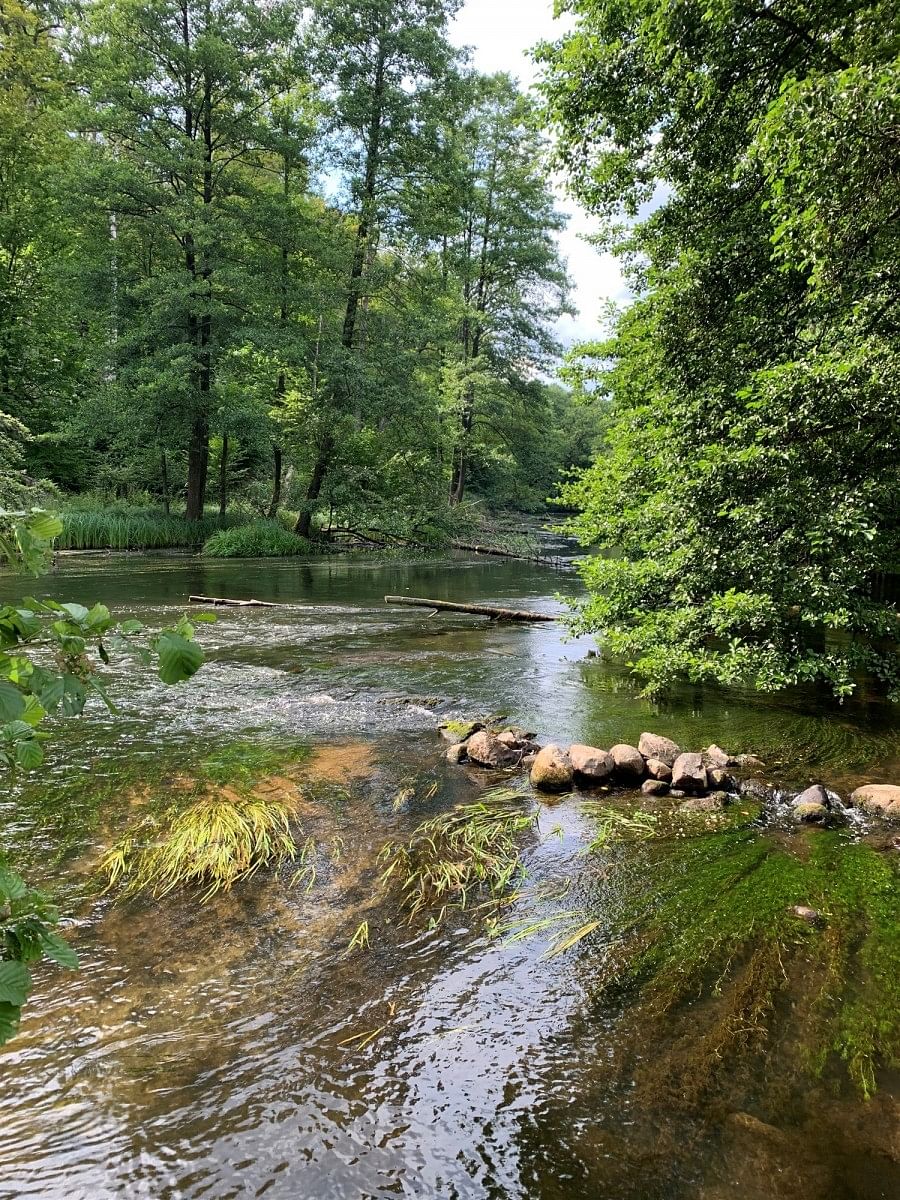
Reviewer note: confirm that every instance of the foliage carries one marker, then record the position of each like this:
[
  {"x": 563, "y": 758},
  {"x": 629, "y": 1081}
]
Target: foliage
[
  {"x": 94, "y": 529},
  {"x": 262, "y": 539},
  {"x": 746, "y": 495},
  {"x": 215, "y": 842}
]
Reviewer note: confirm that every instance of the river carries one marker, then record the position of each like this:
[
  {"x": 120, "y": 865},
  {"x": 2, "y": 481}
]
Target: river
[{"x": 697, "y": 1044}]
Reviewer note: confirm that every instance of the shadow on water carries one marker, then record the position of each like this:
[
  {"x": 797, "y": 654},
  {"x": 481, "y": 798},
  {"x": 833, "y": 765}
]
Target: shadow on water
[{"x": 699, "y": 1042}]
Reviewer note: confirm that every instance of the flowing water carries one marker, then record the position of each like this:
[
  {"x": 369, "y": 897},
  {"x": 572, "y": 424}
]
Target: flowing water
[{"x": 239, "y": 1048}]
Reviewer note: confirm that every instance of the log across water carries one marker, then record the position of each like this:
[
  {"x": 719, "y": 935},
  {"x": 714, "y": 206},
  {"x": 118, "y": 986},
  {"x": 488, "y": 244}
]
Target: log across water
[
  {"x": 218, "y": 600},
  {"x": 481, "y": 610}
]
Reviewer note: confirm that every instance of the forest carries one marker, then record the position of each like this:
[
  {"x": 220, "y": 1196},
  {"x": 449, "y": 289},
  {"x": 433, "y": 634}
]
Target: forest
[{"x": 273, "y": 260}]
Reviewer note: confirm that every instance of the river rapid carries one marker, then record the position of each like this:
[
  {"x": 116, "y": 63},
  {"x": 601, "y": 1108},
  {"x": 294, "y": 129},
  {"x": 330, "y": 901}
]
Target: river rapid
[{"x": 696, "y": 1044}]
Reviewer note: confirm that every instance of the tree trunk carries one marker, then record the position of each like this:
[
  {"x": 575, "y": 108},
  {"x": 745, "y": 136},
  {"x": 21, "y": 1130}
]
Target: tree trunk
[
  {"x": 198, "y": 467},
  {"x": 275, "y": 502},
  {"x": 223, "y": 478},
  {"x": 320, "y": 469},
  {"x": 164, "y": 471}
]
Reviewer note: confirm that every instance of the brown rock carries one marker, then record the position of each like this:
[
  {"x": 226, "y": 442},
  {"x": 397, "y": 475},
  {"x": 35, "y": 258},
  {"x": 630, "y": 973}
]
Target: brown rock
[
  {"x": 718, "y": 777},
  {"x": 689, "y": 773},
  {"x": 485, "y": 750},
  {"x": 654, "y": 787},
  {"x": 653, "y": 745},
  {"x": 629, "y": 761},
  {"x": 882, "y": 799},
  {"x": 590, "y": 763},
  {"x": 705, "y": 804},
  {"x": 457, "y": 754},
  {"x": 749, "y": 762},
  {"x": 657, "y": 769},
  {"x": 715, "y": 756},
  {"x": 551, "y": 770}
]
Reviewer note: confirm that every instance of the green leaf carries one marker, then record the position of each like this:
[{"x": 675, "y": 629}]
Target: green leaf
[
  {"x": 10, "y": 1015},
  {"x": 77, "y": 612},
  {"x": 15, "y": 983},
  {"x": 12, "y": 702},
  {"x": 44, "y": 525},
  {"x": 12, "y": 886},
  {"x": 205, "y": 618},
  {"x": 179, "y": 658},
  {"x": 29, "y": 754},
  {"x": 59, "y": 950},
  {"x": 130, "y": 627}
]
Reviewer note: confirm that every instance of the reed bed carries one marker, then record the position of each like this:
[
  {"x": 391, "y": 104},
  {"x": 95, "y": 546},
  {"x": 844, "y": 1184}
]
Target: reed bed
[{"x": 90, "y": 529}]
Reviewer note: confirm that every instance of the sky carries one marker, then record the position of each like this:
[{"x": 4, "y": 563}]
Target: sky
[{"x": 500, "y": 34}]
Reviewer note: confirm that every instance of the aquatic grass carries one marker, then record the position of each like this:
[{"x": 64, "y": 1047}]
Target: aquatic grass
[
  {"x": 213, "y": 843},
  {"x": 614, "y": 822},
  {"x": 245, "y": 762},
  {"x": 141, "y": 529},
  {"x": 259, "y": 539},
  {"x": 474, "y": 846}
]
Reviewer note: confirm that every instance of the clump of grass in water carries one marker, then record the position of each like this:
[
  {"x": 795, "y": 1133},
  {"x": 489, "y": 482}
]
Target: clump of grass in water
[
  {"x": 213, "y": 843},
  {"x": 474, "y": 846}
]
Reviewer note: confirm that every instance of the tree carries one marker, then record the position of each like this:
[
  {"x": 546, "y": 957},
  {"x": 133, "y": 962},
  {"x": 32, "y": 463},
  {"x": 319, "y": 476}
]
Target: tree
[{"x": 749, "y": 477}]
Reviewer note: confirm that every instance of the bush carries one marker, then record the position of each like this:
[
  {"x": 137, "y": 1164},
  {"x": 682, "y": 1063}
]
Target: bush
[{"x": 261, "y": 539}]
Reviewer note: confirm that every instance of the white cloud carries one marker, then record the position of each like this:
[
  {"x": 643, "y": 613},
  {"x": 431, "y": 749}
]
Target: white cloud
[{"x": 500, "y": 34}]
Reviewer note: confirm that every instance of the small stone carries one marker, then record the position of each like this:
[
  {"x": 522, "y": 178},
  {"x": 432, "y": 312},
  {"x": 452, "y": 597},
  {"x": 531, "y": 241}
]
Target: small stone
[
  {"x": 718, "y": 777},
  {"x": 654, "y": 787},
  {"x": 721, "y": 798},
  {"x": 677, "y": 794},
  {"x": 458, "y": 731},
  {"x": 485, "y": 750},
  {"x": 715, "y": 756},
  {"x": 657, "y": 769},
  {"x": 528, "y": 759},
  {"x": 653, "y": 745},
  {"x": 628, "y": 760},
  {"x": 689, "y": 773},
  {"x": 551, "y": 770},
  {"x": 457, "y": 754},
  {"x": 882, "y": 799},
  {"x": 813, "y": 795},
  {"x": 591, "y": 764},
  {"x": 812, "y": 814},
  {"x": 810, "y": 915}
]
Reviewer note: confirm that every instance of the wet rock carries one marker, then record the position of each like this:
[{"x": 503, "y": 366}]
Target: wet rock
[
  {"x": 657, "y": 769},
  {"x": 487, "y": 751},
  {"x": 718, "y": 777},
  {"x": 515, "y": 738},
  {"x": 458, "y": 731},
  {"x": 676, "y": 794},
  {"x": 551, "y": 770},
  {"x": 882, "y": 799},
  {"x": 704, "y": 804},
  {"x": 813, "y": 795},
  {"x": 811, "y": 814},
  {"x": 653, "y": 745},
  {"x": 810, "y": 915},
  {"x": 689, "y": 773},
  {"x": 720, "y": 797},
  {"x": 749, "y": 762},
  {"x": 591, "y": 764},
  {"x": 457, "y": 754},
  {"x": 715, "y": 756},
  {"x": 758, "y": 789},
  {"x": 654, "y": 787},
  {"x": 628, "y": 760},
  {"x": 528, "y": 759}
]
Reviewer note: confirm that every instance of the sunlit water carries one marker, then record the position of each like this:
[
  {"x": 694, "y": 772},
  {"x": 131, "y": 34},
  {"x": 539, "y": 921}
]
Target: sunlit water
[{"x": 207, "y": 1050}]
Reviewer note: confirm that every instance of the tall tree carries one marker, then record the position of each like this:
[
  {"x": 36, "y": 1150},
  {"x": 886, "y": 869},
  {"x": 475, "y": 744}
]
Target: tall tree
[{"x": 749, "y": 479}]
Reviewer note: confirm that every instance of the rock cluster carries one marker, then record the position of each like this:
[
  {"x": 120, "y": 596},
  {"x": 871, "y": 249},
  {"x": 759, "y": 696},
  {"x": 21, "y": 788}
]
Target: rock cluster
[{"x": 702, "y": 781}]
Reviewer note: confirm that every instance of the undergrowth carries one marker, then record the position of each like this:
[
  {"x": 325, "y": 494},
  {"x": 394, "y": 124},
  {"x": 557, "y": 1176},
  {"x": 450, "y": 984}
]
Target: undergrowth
[{"x": 260, "y": 539}]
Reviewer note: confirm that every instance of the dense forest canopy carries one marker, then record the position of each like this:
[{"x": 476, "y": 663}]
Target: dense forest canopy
[
  {"x": 298, "y": 258},
  {"x": 750, "y": 475}
]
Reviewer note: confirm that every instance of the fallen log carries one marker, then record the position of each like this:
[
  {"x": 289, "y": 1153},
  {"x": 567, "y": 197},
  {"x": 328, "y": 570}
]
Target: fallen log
[
  {"x": 218, "y": 600},
  {"x": 480, "y": 610}
]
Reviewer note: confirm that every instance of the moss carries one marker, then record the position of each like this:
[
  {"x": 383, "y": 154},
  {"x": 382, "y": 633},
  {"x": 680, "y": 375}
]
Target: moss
[{"x": 244, "y": 763}]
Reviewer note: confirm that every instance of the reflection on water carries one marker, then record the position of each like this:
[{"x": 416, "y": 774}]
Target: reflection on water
[{"x": 222, "y": 1050}]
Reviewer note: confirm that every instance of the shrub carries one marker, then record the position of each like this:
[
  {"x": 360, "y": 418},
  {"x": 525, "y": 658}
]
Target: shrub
[{"x": 261, "y": 539}]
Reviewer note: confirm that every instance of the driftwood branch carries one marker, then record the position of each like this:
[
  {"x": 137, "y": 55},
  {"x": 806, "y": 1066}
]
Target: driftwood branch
[
  {"x": 217, "y": 600},
  {"x": 481, "y": 610}
]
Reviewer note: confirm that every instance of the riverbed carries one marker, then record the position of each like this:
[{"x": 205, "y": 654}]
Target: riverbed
[{"x": 243, "y": 1047}]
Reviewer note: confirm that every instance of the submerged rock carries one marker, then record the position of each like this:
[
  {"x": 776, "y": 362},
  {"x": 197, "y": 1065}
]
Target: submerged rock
[
  {"x": 810, "y": 915},
  {"x": 653, "y": 745},
  {"x": 591, "y": 764},
  {"x": 551, "y": 770},
  {"x": 487, "y": 751},
  {"x": 749, "y": 762},
  {"x": 457, "y": 754},
  {"x": 758, "y": 789},
  {"x": 689, "y": 773},
  {"x": 657, "y": 769},
  {"x": 882, "y": 799},
  {"x": 458, "y": 731},
  {"x": 654, "y": 787},
  {"x": 628, "y": 760},
  {"x": 706, "y": 804}
]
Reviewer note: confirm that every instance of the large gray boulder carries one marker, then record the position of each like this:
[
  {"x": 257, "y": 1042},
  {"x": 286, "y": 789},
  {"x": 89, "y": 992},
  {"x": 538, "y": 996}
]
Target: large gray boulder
[
  {"x": 552, "y": 770},
  {"x": 591, "y": 764},
  {"x": 653, "y": 745},
  {"x": 629, "y": 762},
  {"x": 487, "y": 751},
  {"x": 813, "y": 795},
  {"x": 882, "y": 799},
  {"x": 689, "y": 773}
]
